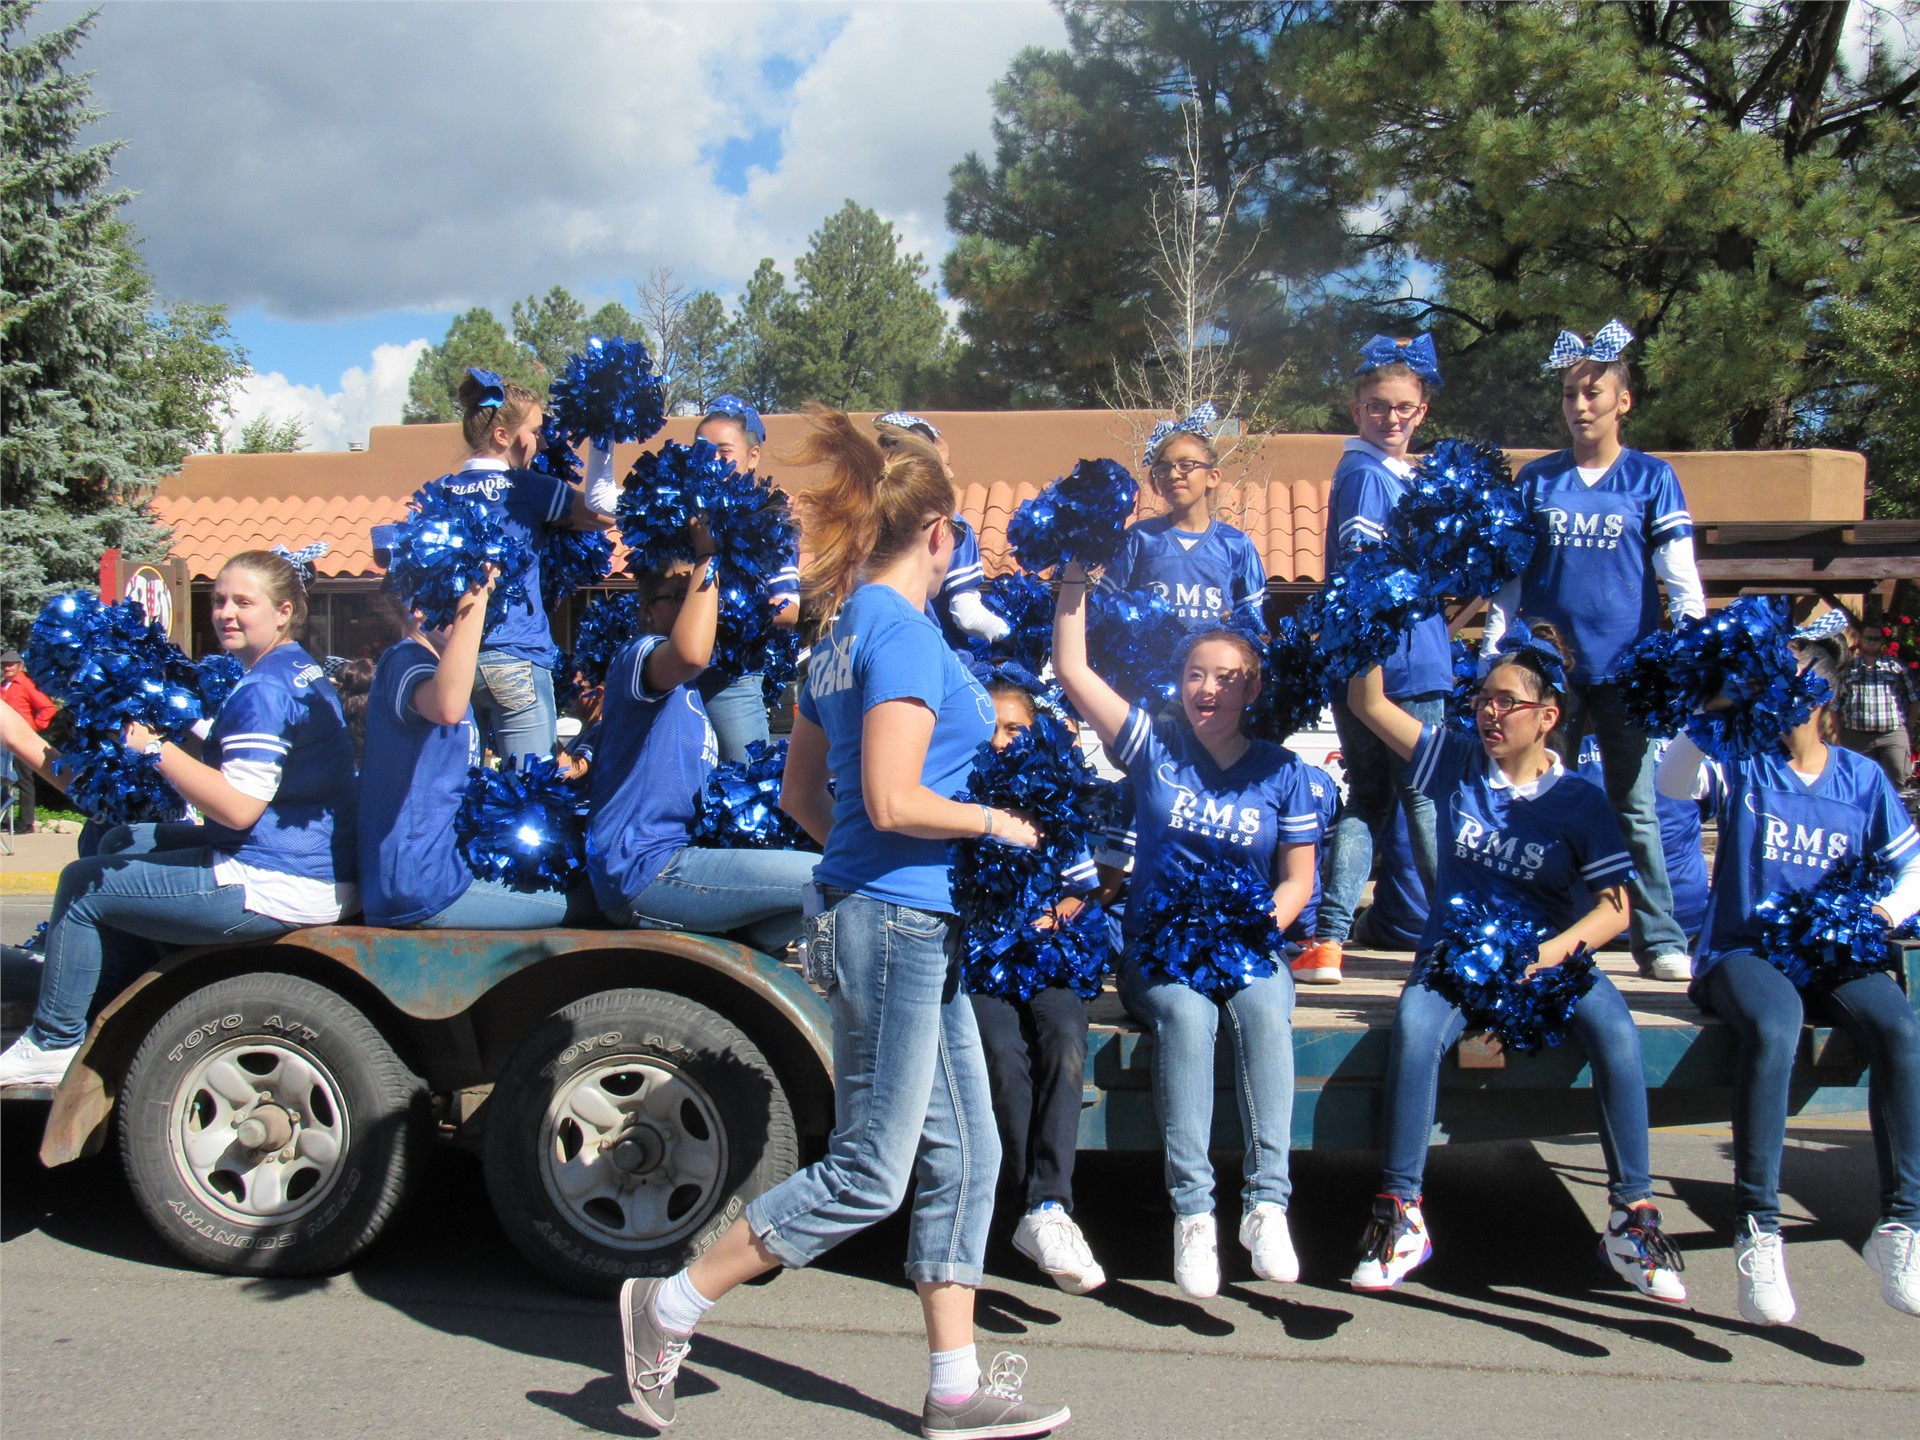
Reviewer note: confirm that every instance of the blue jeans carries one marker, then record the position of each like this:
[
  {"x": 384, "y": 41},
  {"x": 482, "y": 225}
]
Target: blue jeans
[
  {"x": 1376, "y": 779},
  {"x": 910, "y": 1100},
  {"x": 738, "y": 712},
  {"x": 490, "y": 905},
  {"x": 167, "y": 896},
  {"x": 513, "y": 705},
  {"x": 1626, "y": 758},
  {"x": 1425, "y": 1025},
  {"x": 1185, "y": 1025},
  {"x": 756, "y": 892},
  {"x": 1765, "y": 1011}
]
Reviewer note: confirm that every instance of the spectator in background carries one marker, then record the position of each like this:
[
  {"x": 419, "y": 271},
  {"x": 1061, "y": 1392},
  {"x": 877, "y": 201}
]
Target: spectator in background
[
  {"x": 1876, "y": 696},
  {"x": 26, "y": 697}
]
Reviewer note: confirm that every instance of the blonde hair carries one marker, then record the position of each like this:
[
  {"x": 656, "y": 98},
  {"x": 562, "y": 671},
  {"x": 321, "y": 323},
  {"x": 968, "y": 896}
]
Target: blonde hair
[
  {"x": 280, "y": 578},
  {"x": 477, "y": 420}
]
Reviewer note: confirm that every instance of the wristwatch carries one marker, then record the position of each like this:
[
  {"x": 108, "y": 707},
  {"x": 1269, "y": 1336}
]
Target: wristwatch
[{"x": 153, "y": 747}]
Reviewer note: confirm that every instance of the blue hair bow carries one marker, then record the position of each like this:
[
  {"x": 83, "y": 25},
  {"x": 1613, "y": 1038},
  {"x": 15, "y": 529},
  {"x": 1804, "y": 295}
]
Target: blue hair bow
[
  {"x": 492, "y": 391},
  {"x": 1045, "y": 697},
  {"x": 1607, "y": 346},
  {"x": 1514, "y": 644},
  {"x": 303, "y": 558},
  {"x": 1200, "y": 423},
  {"x": 734, "y": 408},
  {"x": 1417, "y": 354},
  {"x": 905, "y": 420}
]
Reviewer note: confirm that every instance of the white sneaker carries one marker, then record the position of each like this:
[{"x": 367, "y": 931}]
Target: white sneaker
[
  {"x": 1048, "y": 1237},
  {"x": 1761, "y": 1259},
  {"x": 1264, "y": 1232},
  {"x": 1196, "y": 1255},
  {"x": 1677, "y": 967},
  {"x": 25, "y": 1062},
  {"x": 1642, "y": 1255},
  {"x": 1893, "y": 1253},
  {"x": 1395, "y": 1243}
]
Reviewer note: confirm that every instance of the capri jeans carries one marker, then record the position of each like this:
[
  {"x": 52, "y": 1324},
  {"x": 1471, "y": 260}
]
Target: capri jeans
[
  {"x": 513, "y": 705},
  {"x": 490, "y": 905},
  {"x": 718, "y": 892},
  {"x": 910, "y": 1099},
  {"x": 1765, "y": 1011},
  {"x": 1036, "y": 1053},
  {"x": 1425, "y": 1025},
  {"x": 1185, "y": 1026},
  {"x": 1376, "y": 782}
]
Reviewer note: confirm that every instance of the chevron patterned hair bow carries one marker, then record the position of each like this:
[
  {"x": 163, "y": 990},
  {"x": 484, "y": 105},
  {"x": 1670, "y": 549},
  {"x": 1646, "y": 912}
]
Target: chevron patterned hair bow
[
  {"x": 1834, "y": 622},
  {"x": 1607, "y": 346},
  {"x": 1200, "y": 423},
  {"x": 1515, "y": 645},
  {"x": 492, "y": 392},
  {"x": 303, "y": 558},
  {"x": 905, "y": 420},
  {"x": 1417, "y": 354}
]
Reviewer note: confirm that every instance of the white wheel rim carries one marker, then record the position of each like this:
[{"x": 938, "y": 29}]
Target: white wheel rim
[{"x": 633, "y": 1154}]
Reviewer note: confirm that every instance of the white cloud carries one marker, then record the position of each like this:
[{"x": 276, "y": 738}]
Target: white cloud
[{"x": 368, "y": 395}]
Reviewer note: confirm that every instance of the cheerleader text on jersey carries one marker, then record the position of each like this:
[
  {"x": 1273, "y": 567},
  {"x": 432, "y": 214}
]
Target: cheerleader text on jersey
[
  {"x": 1544, "y": 847},
  {"x": 881, "y": 649},
  {"x": 1187, "y": 810},
  {"x": 654, "y": 753},
  {"x": 412, "y": 778},
  {"x": 527, "y": 504},
  {"x": 1592, "y": 572},
  {"x": 1366, "y": 487},
  {"x": 1203, "y": 575},
  {"x": 1778, "y": 832}
]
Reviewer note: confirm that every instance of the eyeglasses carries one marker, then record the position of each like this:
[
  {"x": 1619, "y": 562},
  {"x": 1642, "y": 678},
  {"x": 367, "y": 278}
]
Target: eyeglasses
[
  {"x": 677, "y": 596},
  {"x": 1166, "y": 470},
  {"x": 954, "y": 525},
  {"x": 1380, "y": 410},
  {"x": 1504, "y": 704}
]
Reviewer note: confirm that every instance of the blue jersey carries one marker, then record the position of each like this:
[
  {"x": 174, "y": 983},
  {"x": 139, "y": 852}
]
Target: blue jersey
[
  {"x": 965, "y": 572},
  {"x": 1365, "y": 490},
  {"x": 654, "y": 752},
  {"x": 1326, "y": 799},
  {"x": 1545, "y": 854},
  {"x": 1592, "y": 570},
  {"x": 1204, "y": 576},
  {"x": 783, "y": 585},
  {"x": 285, "y": 717},
  {"x": 1777, "y": 832},
  {"x": 1679, "y": 841},
  {"x": 879, "y": 649},
  {"x": 413, "y": 774},
  {"x": 1188, "y": 811},
  {"x": 527, "y": 505}
]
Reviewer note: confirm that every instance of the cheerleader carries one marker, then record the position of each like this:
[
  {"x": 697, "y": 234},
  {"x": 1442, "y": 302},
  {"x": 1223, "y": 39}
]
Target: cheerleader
[
  {"x": 275, "y": 851},
  {"x": 956, "y": 607},
  {"x": 888, "y": 727},
  {"x": 1515, "y": 828},
  {"x": 1179, "y": 776},
  {"x": 1784, "y": 818}
]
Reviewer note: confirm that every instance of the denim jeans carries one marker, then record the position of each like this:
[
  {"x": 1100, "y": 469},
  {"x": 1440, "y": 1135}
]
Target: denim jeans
[
  {"x": 168, "y": 896},
  {"x": 1376, "y": 779},
  {"x": 1425, "y": 1025},
  {"x": 513, "y": 705},
  {"x": 1765, "y": 1012},
  {"x": 738, "y": 712},
  {"x": 910, "y": 1100},
  {"x": 756, "y": 892},
  {"x": 1185, "y": 1025},
  {"x": 490, "y": 905},
  {"x": 1626, "y": 757},
  {"x": 1037, "y": 1063}
]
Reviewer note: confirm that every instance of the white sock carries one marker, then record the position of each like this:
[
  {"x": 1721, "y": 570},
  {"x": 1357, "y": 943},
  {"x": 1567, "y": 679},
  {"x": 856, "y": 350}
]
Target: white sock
[
  {"x": 952, "y": 1374},
  {"x": 678, "y": 1306}
]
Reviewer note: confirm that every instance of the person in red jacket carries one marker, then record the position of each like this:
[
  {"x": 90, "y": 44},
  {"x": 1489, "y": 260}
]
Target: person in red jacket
[{"x": 19, "y": 691}]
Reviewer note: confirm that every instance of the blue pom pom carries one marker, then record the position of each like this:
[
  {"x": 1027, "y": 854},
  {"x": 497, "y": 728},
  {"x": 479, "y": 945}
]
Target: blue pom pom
[
  {"x": 1209, "y": 927},
  {"x": 1657, "y": 685},
  {"x": 739, "y": 805},
  {"x": 1466, "y": 685},
  {"x": 1081, "y": 516},
  {"x": 1480, "y": 965},
  {"x": 112, "y": 784},
  {"x": 570, "y": 559},
  {"x": 1026, "y": 604},
  {"x": 606, "y": 626},
  {"x": 1826, "y": 934},
  {"x": 523, "y": 825},
  {"x": 1461, "y": 525},
  {"x": 779, "y": 662},
  {"x": 1135, "y": 642},
  {"x": 1294, "y": 686},
  {"x": 1741, "y": 653},
  {"x": 215, "y": 678},
  {"x": 608, "y": 394},
  {"x": 1361, "y": 613},
  {"x": 555, "y": 456},
  {"x": 441, "y": 550}
]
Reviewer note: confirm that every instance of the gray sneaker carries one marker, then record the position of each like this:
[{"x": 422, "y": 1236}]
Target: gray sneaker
[
  {"x": 995, "y": 1411},
  {"x": 653, "y": 1354}
]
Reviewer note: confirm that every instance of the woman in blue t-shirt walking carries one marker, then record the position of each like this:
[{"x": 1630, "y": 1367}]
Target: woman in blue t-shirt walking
[
  {"x": 889, "y": 725},
  {"x": 1562, "y": 861}
]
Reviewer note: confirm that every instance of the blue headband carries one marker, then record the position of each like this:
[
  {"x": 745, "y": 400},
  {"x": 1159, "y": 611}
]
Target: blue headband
[
  {"x": 1518, "y": 644},
  {"x": 1200, "y": 423},
  {"x": 492, "y": 392},
  {"x": 1417, "y": 354},
  {"x": 1607, "y": 346},
  {"x": 904, "y": 420},
  {"x": 732, "y": 407},
  {"x": 303, "y": 558}
]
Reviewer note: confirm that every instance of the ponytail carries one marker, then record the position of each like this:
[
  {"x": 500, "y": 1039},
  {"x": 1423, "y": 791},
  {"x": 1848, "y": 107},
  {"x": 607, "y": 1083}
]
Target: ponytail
[{"x": 486, "y": 400}]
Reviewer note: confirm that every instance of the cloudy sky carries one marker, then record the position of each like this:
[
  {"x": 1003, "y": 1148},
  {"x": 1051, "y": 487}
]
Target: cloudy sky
[{"x": 346, "y": 176}]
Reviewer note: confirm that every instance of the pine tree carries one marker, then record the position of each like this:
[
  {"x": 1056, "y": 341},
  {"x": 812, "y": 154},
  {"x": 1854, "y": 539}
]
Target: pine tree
[
  {"x": 754, "y": 343},
  {"x": 475, "y": 338}
]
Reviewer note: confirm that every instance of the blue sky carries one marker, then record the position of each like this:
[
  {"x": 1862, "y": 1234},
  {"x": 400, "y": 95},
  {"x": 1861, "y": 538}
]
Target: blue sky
[{"x": 345, "y": 178}]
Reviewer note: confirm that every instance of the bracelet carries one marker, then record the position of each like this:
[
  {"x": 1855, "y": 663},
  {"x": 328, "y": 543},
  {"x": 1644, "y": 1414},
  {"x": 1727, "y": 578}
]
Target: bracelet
[{"x": 986, "y": 815}]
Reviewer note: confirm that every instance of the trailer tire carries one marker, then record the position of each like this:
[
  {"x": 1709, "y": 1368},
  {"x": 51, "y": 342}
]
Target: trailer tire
[
  {"x": 267, "y": 1128},
  {"x": 629, "y": 1130}
]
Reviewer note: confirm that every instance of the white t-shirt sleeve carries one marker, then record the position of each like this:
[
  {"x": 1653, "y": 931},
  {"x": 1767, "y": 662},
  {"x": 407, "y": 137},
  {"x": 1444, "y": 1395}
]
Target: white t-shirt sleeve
[
  {"x": 601, "y": 487},
  {"x": 1674, "y": 563}
]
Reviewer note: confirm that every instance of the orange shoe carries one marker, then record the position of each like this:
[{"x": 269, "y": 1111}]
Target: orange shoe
[{"x": 1318, "y": 964}]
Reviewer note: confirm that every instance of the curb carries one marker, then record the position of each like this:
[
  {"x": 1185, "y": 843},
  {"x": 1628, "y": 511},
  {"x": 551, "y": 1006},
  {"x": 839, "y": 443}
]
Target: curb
[{"x": 29, "y": 882}]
